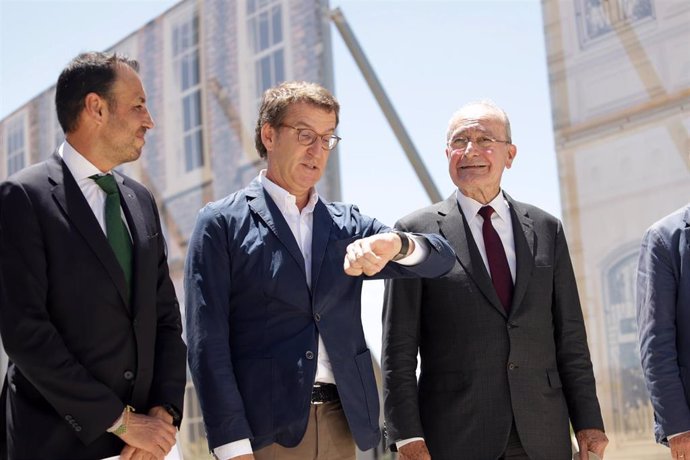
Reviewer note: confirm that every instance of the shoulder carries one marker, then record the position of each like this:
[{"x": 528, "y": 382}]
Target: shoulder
[
  {"x": 533, "y": 212},
  {"x": 32, "y": 175},
  {"x": 344, "y": 210},
  {"x": 419, "y": 219},
  {"x": 225, "y": 212},
  {"x": 33, "y": 181},
  {"x": 670, "y": 225}
]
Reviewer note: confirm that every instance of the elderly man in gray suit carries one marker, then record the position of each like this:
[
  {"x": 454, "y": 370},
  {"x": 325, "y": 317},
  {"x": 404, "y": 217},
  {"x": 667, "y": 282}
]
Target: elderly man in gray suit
[
  {"x": 663, "y": 319},
  {"x": 505, "y": 364}
]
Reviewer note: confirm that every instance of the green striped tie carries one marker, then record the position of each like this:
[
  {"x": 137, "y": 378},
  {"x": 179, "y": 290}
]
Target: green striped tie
[{"x": 115, "y": 228}]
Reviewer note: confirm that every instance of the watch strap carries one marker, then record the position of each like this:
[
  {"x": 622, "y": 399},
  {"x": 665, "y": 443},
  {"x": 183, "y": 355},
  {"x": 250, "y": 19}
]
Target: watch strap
[{"x": 404, "y": 246}]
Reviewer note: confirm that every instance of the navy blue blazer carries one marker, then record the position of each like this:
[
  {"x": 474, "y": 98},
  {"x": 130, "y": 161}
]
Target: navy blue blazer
[
  {"x": 253, "y": 322},
  {"x": 663, "y": 319}
]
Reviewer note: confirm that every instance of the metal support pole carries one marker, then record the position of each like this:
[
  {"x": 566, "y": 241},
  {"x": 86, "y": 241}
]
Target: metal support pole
[{"x": 385, "y": 104}]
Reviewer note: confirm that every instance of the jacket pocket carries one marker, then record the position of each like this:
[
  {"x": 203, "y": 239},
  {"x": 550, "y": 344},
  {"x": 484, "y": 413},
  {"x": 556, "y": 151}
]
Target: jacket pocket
[
  {"x": 366, "y": 374},
  {"x": 554, "y": 379}
]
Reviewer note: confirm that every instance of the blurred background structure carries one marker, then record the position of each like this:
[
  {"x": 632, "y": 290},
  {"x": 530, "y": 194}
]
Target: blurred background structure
[
  {"x": 620, "y": 94},
  {"x": 613, "y": 138}
]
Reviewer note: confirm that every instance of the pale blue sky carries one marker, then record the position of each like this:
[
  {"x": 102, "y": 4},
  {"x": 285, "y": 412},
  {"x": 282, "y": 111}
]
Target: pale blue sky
[{"x": 431, "y": 57}]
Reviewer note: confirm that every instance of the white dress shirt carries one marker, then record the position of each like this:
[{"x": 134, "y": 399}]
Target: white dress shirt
[
  {"x": 82, "y": 170},
  {"x": 301, "y": 224},
  {"x": 501, "y": 221}
]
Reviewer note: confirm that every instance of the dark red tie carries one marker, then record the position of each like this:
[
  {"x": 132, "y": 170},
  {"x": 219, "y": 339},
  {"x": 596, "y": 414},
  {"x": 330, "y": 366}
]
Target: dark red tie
[{"x": 498, "y": 262}]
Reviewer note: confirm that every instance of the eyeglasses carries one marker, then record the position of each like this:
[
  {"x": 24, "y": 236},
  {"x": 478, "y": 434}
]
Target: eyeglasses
[
  {"x": 306, "y": 136},
  {"x": 483, "y": 142}
]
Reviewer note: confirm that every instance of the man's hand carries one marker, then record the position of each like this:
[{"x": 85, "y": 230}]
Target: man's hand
[
  {"x": 591, "y": 440},
  {"x": 243, "y": 457},
  {"x": 369, "y": 255},
  {"x": 160, "y": 413},
  {"x": 132, "y": 453},
  {"x": 680, "y": 446},
  {"x": 416, "y": 450},
  {"x": 148, "y": 433}
]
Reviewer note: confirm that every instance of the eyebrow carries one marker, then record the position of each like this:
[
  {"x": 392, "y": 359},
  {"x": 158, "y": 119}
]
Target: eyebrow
[{"x": 304, "y": 124}]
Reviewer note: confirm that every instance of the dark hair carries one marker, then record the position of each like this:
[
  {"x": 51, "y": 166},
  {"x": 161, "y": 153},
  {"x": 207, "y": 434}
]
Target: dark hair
[
  {"x": 276, "y": 101},
  {"x": 92, "y": 72}
]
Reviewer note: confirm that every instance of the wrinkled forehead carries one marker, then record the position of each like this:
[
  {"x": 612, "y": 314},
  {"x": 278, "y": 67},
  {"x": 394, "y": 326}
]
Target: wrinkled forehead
[{"x": 476, "y": 118}]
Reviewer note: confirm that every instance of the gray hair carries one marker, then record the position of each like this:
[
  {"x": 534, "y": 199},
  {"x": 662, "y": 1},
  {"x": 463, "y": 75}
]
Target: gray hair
[{"x": 487, "y": 103}]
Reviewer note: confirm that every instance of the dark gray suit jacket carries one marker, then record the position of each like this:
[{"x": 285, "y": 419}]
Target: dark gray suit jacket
[
  {"x": 79, "y": 348},
  {"x": 480, "y": 368}
]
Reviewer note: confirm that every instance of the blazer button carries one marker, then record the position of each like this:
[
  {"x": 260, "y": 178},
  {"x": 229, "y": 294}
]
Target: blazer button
[
  {"x": 128, "y": 375},
  {"x": 317, "y": 317},
  {"x": 512, "y": 366},
  {"x": 309, "y": 354}
]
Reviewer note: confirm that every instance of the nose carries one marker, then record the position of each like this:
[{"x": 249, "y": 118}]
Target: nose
[
  {"x": 315, "y": 148},
  {"x": 148, "y": 120},
  {"x": 470, "y": 148}
]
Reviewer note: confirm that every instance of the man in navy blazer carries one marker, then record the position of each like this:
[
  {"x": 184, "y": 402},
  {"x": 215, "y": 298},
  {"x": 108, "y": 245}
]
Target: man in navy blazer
[
  {"x": 276, "y": 346},
  {"x": 663, "y": 320}
]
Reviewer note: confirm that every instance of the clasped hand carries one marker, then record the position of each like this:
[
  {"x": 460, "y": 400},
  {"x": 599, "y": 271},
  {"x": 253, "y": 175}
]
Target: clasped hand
[{"x": 148, "y": 436}]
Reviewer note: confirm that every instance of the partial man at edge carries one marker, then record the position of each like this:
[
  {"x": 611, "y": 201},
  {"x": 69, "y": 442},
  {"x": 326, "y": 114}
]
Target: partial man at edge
[{"x": 663, "y": 321}]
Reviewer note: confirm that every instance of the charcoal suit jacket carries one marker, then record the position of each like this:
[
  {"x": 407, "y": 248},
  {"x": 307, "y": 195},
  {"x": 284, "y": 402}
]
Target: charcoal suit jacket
[
  {"x": 480, "y": 366},
  {"x": 80, "y": 347}
]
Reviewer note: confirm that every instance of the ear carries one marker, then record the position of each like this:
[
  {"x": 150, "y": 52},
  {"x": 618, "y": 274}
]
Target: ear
[
  {"x": 268, "y": 136},
  {"x": 449, "y": 151},
  {"x": 512, "y": 152},
  {"x": 95, "y": 108}
]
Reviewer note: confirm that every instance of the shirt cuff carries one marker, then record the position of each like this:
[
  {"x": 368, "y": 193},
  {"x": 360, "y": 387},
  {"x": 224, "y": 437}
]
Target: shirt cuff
[
  {"x": 677, "y": 434},
  {"x": 403, "y": 442},
  {"x": 418, "y": 254},
  {"x": 233, "y": 449}
]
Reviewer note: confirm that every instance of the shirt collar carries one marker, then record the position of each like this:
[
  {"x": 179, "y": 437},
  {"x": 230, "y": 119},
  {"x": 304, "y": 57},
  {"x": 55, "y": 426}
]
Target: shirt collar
[
  {"x": 470, "y": 207},
  {"x": 282, "y": 197},
  {"x": 78, "y": 165}
]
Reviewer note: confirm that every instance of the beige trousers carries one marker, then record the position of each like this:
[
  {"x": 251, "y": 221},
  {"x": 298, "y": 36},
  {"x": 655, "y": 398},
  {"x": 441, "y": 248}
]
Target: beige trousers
[{"x": 328, "y": 437}]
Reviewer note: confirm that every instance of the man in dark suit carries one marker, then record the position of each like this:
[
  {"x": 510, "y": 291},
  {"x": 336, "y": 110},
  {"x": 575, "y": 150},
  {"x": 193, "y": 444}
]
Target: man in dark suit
[
  {"x": 88, "y": 313},
  {"x": 276, "y": 346},
  {"x": 504, "y": 357},
  {"x": 663, "y": 320}
]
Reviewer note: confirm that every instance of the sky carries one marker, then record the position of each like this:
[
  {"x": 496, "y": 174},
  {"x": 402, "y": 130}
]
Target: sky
[{"x": 431, "y": 56}]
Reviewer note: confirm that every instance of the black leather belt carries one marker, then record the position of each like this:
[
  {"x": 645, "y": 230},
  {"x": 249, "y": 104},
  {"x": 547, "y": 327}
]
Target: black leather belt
[{"x": 324, "y": 392}]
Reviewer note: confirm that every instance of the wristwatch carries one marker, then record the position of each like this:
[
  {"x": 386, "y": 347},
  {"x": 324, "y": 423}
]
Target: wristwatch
[
  {"x": 174, "y": 413},
  {"x": 404, "y": 246}
]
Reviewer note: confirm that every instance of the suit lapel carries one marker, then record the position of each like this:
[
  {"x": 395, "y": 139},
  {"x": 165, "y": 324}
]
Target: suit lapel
[
  {"x": 262, "y": 204},
  {"x": 137, "y": 229},
  {"x": 684, "y": 245},
  {"x": 460, "y": 238},
  {"x": 321, "y": 232},
  {"x": 524, "y": 237},
  {"x": 74, "y": 206}
]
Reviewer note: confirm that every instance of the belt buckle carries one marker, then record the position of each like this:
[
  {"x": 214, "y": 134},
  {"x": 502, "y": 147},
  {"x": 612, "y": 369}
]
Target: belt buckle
[{"x": 314, "y": 390}]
